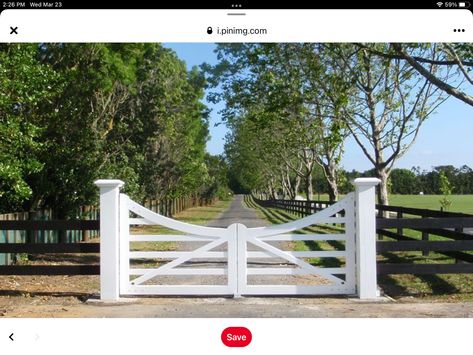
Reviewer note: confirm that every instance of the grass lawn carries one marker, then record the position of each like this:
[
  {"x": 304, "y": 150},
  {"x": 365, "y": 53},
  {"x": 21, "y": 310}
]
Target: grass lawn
[
  {"x": 437, "y": 287},
  {"x": 460, "y": 203}
]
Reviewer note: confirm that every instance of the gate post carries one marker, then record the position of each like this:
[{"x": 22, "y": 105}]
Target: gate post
[
  {"x": 365, "y": 217},
  {"x": 109, "y": 238}
]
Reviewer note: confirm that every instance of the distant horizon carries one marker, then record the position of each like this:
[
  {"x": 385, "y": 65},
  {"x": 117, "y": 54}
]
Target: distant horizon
[{"x": 444, "y": 139}]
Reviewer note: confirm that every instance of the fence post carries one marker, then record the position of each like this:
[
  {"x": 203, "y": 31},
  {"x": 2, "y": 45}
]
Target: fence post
[
  {"x": 365, "y": 217},
  {"x": 109, "y": 238}
]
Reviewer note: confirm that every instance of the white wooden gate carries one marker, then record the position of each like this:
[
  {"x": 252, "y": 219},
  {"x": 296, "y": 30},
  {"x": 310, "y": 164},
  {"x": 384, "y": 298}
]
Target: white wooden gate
[
  {"x": 139, "y": 281},
  {"x": 318, "y": 279},
  {"x": 223, "y": 261}
]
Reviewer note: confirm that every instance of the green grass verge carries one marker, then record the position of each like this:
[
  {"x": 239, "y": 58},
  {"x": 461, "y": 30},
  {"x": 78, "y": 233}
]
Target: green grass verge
[
  {"x": 460, "y": 203},
  {"x": 437, "y": 287}
]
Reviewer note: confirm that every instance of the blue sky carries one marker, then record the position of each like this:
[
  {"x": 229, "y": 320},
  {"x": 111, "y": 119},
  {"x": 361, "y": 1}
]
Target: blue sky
[{"x": 445, "y": 138}]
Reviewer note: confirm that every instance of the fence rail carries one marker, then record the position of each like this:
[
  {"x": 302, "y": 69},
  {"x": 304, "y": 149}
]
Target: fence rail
[
  {"x": 50, "y": 270},
  {"x": 50, "y": 248},
  {"x": 441, "y": 232},
  {"x": 69, "y": 225}
]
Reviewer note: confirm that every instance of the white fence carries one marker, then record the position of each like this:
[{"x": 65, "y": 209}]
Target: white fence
[{"x": 223, "y": 261}]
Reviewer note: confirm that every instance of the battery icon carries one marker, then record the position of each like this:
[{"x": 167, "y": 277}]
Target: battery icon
[{"x": 465, "y": 4}]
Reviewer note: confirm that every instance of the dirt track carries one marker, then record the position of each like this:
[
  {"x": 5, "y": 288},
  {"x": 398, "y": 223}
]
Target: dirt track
[{"x": 272, "y": 307}]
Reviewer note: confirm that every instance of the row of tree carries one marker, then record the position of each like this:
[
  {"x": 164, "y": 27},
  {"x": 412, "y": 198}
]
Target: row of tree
[
  {"x": 460, "y": 180},
  {"x": 72, "y": 113},
  {"x": 407, "y": 181},
  {"x": 291, "y": 106}
]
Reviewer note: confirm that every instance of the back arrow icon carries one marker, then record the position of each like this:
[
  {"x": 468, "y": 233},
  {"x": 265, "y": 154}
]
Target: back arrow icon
[{"x": 11, "y": 337}]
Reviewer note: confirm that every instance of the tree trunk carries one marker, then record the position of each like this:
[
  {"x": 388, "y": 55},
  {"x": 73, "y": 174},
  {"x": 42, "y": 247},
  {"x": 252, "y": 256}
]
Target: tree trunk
[
  {"x": 285, "y": 190},
  {"x": 330, "y": 172},
  {"x": 295, "y": 191},
  {"x": 286, "y": 185},
  {"x": 383, "y": 198},
  {"x": 332, "y": 192},
  {"x": 308, "y": 186},
  {"x": 272, "y": 192}
]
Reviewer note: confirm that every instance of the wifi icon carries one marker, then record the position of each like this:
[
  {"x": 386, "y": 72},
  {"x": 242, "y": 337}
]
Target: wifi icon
[{"x": 439, "y": 4}]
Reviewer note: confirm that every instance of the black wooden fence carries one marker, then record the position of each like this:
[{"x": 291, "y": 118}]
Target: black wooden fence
[
  {"x": 404, "y": 229},
  {"x": 54, "y": 248},
  {"x": 300, "y": 208},
  {"x": 445, "y": 233}
]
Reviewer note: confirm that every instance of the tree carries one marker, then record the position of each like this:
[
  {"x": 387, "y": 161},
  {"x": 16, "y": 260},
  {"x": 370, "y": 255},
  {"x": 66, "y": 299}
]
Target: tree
[
  {"x": 243, "y": 150},
  {"x": 291, "y": 90},
  {"x": 456, "y": 56},
  {"x": 72, "y": 113},
  {"x": 218, "y": 183},
  {"x": 390, "y": 105},
  {"x": 464, "y": 180},
  {"x": 79, "y": 123},
  {"x": 25, "y": 84},
  {"x": 404, "y": 182},
  {"x": 446, "y": 190},
  {"x": 451, "y": 56}
]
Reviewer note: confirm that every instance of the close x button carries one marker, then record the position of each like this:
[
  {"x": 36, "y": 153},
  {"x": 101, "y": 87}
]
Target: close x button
[{"x": 13, "y": 30}]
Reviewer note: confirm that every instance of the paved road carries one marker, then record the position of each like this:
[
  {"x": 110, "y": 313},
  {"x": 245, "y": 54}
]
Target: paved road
[{"x": 238, "y": 213}]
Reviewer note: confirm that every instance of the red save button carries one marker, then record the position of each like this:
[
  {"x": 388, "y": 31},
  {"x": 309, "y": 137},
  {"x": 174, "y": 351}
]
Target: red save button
[{"x": 236, "y": 337}]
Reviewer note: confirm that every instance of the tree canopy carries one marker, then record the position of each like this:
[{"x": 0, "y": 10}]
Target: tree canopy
[
  {"x": 291, "y": 106},
  {"x": 72, "y": 113}
]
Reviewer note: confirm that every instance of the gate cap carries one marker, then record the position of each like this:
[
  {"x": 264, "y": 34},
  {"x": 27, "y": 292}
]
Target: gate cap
[
  {"x": 369, "y": 181},
  {"x": 109, "y": 183}
]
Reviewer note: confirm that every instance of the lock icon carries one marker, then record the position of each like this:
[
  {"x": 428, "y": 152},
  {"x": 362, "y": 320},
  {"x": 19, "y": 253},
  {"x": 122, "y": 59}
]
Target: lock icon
[{"x": 209, "y": 30}]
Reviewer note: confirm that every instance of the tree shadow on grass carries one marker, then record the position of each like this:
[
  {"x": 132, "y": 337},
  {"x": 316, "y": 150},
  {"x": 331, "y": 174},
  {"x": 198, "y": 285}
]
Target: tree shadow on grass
[
  {"x": 273, "y": 217},
  {"x": 280, "y": 216},
  {"x": 436, "y": 283},
  {"x": 391, "y": 286}
]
